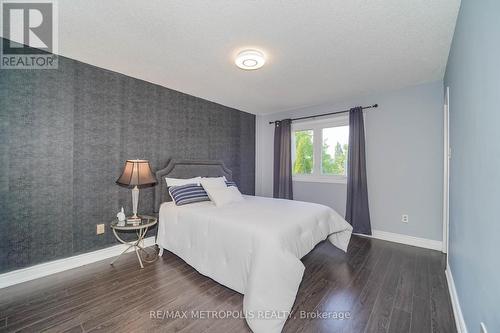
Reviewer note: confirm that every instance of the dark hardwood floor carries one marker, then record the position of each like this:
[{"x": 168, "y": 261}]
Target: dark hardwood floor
[{"x": 377, "y": 286}]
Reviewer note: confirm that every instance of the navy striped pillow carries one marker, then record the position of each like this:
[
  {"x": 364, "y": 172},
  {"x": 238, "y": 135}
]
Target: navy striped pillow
[
  {"x": 231, "y": 183},
  {"x": 186, "y": 194}
]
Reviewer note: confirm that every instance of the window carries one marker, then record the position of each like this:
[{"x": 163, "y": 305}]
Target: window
[{"x": 320, "y": 149}]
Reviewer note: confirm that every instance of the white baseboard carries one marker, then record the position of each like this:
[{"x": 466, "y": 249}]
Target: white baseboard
[
  {"x": 56, "y": 266},
  {"x": 405, "y": 239},
  {"x": 457, "y": 310}
]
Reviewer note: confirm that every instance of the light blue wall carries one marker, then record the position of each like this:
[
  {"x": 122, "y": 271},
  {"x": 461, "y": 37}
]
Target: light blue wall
[
  {"x": 473, "y": 75},
  {"x": 404, "y": 148}
]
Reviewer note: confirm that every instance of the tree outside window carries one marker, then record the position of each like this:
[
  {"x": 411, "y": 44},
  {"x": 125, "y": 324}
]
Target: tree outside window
[{"x": 303, "y": 152}]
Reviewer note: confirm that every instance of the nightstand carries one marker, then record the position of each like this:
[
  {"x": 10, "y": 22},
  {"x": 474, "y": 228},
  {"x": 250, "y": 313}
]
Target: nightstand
[{"x": 140, "y": 228}]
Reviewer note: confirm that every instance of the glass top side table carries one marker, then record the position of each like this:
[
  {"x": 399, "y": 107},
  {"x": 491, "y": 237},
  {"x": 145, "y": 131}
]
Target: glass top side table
[{"x": 140, "y": 228}]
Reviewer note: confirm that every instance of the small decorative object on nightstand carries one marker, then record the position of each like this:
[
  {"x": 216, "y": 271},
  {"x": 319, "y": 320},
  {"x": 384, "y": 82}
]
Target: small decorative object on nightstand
[
  {"x": 136, "y": 173},
  {"x": 141, "y": 228},
  {"x": 121, "y": 216}
]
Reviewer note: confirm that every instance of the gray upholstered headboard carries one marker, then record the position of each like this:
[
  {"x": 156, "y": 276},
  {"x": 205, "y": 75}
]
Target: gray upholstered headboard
[{"x": 186, "y": 169}]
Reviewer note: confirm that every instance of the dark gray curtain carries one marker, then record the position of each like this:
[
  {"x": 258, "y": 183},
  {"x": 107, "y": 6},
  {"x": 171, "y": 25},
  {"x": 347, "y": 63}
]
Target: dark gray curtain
[
  {"x": 282, "y": 183},
  {"x": 357, "y": 211}
]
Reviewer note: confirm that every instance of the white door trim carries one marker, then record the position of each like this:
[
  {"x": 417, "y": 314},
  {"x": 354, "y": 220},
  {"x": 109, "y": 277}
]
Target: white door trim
[{"x": 446, "y": 169}]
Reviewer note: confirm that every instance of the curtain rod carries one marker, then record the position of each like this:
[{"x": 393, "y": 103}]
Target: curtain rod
[{"x": 328, "y": 114}]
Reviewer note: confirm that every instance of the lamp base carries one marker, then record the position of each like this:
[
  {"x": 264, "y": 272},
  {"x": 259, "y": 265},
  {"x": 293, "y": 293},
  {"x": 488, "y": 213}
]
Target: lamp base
[{"x": 135, "y": 201}]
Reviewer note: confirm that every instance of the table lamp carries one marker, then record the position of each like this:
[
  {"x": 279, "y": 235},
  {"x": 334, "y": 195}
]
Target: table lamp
[{"x": 136, "y": 173}]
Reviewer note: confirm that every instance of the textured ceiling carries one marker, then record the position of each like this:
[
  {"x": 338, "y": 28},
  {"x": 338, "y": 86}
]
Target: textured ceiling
[{"x": 318, "y": 51}]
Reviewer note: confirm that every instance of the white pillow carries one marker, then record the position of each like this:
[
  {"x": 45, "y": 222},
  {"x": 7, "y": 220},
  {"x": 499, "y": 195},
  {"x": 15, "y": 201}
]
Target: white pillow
[
  {"x": 221, "y": 196},
  {"x": 180, "y": 181},
  {"x": 213, "y": 182}
]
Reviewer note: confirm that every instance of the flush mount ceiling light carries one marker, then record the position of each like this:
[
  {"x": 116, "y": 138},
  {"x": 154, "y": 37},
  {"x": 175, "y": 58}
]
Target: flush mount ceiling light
[{"x": 250, "y": 60}]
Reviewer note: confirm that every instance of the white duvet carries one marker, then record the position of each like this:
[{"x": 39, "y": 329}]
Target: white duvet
[{"x": 254, "y": 247}]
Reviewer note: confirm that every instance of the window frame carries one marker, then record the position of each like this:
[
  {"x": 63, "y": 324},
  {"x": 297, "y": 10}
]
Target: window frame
[{"x": 317, "y": 127}]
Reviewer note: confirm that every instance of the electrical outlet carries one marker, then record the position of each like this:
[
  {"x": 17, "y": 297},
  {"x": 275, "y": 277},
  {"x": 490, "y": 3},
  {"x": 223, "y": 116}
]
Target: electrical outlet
[
  {"x": 100, "y": 229},
  {"x": 404, "y": 218},
  {"x": 483, "y": 328}
]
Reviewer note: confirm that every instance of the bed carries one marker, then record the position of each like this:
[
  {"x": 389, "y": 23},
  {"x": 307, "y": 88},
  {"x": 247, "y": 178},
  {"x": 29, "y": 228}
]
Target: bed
[{"x": 253, "y": 246}]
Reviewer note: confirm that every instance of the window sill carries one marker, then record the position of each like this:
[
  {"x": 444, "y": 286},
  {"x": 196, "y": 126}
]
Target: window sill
[{"x": 320, "y": 179}]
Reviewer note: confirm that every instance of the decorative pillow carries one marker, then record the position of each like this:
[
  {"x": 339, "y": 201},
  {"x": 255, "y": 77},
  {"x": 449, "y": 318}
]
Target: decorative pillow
[
  {"x": 213, "y": 182},
  {"x": 221, "y": 196},
  {"x": 231, "y": 183},
  {"x": 180, "y": 181},
  {"x": 186, "y": 194}
]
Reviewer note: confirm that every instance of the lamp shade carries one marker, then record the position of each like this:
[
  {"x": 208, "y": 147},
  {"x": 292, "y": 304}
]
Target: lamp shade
[{"x": 136, "y": 173}]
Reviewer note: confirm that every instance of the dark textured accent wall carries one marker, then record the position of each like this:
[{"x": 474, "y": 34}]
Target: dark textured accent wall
[{"x": 65, "y": 135}]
